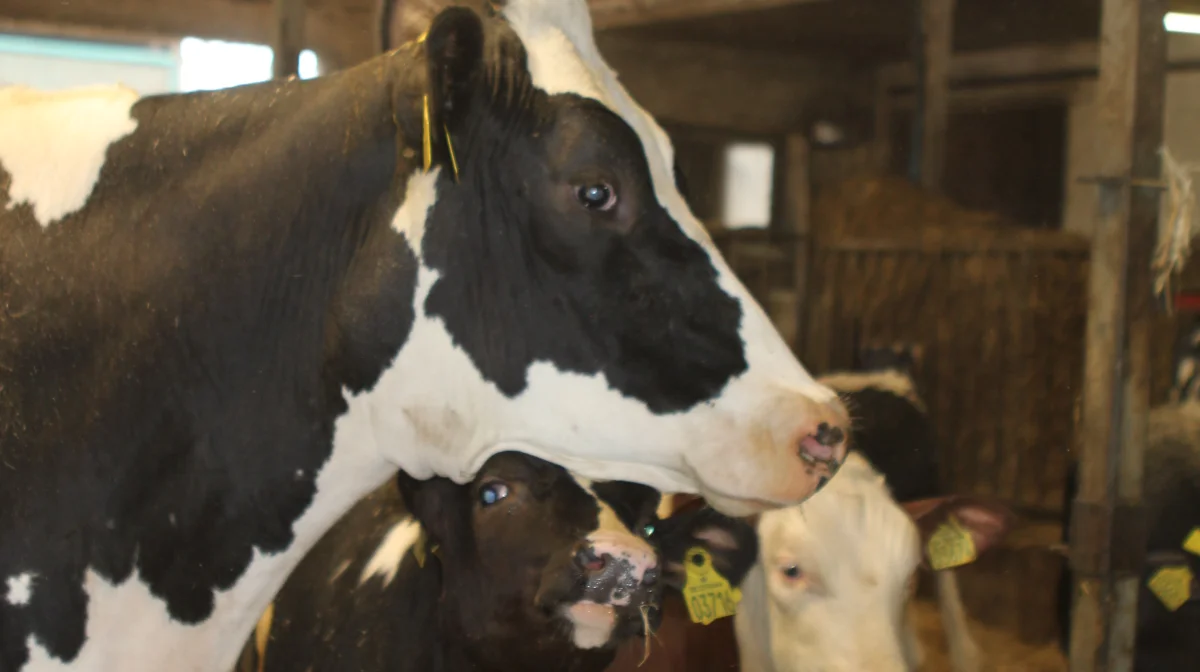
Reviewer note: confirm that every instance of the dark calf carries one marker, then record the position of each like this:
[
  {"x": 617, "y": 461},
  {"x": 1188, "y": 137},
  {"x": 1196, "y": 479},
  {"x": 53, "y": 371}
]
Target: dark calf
[
  {"x": 1167, "y": 640},
  {"x": 525, "y": 568}
]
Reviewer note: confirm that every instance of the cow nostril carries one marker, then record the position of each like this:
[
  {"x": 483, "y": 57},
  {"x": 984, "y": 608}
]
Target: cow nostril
[
  {"x": 829, "y": 436},
  {"x": 587, "y": 560}
]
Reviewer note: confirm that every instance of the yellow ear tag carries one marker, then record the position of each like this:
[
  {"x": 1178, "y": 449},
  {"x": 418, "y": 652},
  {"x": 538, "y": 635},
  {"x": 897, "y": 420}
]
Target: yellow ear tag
[
  {"x": 426, "y": 135},
  {"x": 262, "y": 635},
  {"x": 1172, "y": 585},
  {"x": 1192, "y": 543},
  {"x": 450, "y": 148},
  {"x": 708, "y": 594},
  {"x": 951, "y": 545},
  {"x": 418, "y": 549}
]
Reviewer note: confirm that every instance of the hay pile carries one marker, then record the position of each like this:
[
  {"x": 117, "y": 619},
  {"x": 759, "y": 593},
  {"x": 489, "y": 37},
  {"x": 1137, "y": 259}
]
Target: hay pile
[{"x": 998, "y": 309}]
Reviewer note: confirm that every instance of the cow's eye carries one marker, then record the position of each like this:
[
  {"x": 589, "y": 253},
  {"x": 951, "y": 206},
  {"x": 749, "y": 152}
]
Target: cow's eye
[
  {"x": 791, "y": 572},
  {"x": 599, "y": 196},
  {"x": 492, "y": 493},
  {"x": 648, "y": 530}
]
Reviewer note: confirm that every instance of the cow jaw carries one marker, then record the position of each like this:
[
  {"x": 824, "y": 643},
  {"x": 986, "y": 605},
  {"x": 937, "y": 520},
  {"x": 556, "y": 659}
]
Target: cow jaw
[{"x": 592, "y": 624}]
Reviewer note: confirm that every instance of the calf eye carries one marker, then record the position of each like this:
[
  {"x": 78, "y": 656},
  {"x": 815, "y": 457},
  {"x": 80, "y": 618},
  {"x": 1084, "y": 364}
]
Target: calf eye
[
  {"x": 648, "y": 530},
  {"x": 791, "y": 572},
  {"x": 492, "y": 493},
  {"x": 598, "y": 196}
]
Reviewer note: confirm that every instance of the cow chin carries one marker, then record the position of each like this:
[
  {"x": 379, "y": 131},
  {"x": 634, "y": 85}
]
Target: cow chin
[{"x": 595, "y": 625}]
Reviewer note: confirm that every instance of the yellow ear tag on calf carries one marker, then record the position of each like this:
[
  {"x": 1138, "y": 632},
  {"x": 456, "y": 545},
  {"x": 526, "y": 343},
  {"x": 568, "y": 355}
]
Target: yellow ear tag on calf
[
  {"x": 419, "y": 549},
  {"x": 951, "y": 545},
  {"x": 708, "y": 594},
  {"x": 1192, "y": 543},
  {"x": 1172, "y": 585}
]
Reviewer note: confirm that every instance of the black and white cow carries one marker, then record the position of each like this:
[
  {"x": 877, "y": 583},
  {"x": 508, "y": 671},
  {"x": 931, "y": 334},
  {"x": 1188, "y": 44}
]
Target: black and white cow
[
  {"x": 1166, "y": 640},
  {"x": 534, "y": 569},
  {"x": 227, "y": 316}
]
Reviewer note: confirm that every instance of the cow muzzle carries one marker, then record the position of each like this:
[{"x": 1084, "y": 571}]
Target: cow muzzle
[
  {"x": 798, "y": 445},
  {"x": 610, "y": 588}
]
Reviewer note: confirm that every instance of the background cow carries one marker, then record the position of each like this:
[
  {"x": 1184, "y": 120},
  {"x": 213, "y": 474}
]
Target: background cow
[
  {"x": 856, "y": 551},
  {"x": 836, "y": 576},
  {"x": 533, "y": 570},
  {"x": 1166, "y": 640},
  {"x": 228, "y": 316}
]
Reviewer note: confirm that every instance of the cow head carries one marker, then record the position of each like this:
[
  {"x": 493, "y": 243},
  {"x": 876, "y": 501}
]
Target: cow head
[
  {"x": 538, "y": 561},
  {"x": 836, "y": 573},
  {"x": 568, "y": 304}
]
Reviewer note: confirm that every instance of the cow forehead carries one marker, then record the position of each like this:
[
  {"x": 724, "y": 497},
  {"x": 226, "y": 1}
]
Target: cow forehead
[
  {"x": 563, "y": 58},
  {"x": 608, "y": 519}
]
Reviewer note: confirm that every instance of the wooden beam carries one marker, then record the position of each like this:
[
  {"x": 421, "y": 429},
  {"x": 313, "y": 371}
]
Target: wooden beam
[
  {"x": 726, "y": 88},
  {"x": 624, "y": 13},
  {"x": 287, "y": 38},
  {"x": 797, "y": 220},
  {"x": 1107, "y": 530},
  {"x": 334, "y": 33},
  {"x": 937, "y": 34}
]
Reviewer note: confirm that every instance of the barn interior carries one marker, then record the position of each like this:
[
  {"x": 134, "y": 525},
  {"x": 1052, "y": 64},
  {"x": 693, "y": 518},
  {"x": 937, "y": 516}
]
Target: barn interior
[{"x": 877, "y": 172}]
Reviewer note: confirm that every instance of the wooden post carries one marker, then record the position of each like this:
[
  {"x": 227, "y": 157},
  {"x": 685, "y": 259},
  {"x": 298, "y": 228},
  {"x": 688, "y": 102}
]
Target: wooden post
[
  {"x": 883, "y": 125},
  {"x": 1108, "y": 531},
  {"x": 797, "y": 207},
  {"x": 288, "y": 37},
  {"x": 933, "y": 93}
]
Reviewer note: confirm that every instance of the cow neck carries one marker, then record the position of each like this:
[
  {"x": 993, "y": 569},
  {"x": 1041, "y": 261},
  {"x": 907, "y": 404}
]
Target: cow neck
[{"x": 176, "y": 469}]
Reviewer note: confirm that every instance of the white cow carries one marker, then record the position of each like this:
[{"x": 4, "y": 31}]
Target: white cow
[{"x": 836, "y": 575}]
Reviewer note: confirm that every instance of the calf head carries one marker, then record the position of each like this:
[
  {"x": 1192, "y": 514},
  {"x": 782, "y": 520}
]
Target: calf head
[
  {"x": 575, "y": 307},
  {"x": 835, "y": 575}
]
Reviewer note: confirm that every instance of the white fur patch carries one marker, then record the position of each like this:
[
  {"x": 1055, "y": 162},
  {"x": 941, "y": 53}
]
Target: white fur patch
[
  {"x": 54, "y": 143},
  {"x": 390, "y": 553},
  {"x": 592, "y": 624},
  {"x": 419, "y": 196},
  {"x": 20, "y": 589}
]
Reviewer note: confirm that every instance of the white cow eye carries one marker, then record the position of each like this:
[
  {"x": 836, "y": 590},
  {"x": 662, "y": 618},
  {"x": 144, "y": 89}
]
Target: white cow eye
[
  {"x": 791, "y": 572},
  {"x": 492, "y": 493}
]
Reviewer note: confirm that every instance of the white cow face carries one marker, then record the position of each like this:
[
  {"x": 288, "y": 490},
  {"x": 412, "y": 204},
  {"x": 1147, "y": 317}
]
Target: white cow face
[{"x": 836, "y": 573}]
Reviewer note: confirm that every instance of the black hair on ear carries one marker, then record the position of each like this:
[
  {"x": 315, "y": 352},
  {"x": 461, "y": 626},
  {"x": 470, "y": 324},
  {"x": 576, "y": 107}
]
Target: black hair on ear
[{"x": 454, "y": 53}]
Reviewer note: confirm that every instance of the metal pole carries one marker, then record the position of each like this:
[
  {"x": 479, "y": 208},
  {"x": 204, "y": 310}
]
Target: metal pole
[{"x": 1107, "y": 530}]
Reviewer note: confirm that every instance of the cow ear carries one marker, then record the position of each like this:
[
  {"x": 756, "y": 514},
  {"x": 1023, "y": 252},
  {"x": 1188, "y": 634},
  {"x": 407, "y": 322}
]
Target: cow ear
[
  {"x": 732, "y": 543},
  {"x": 402, "y": 21},
  {"x": 431, "y": 503},
  {"x": 454, "y": 52},
  {"x": 986, "y": 520}
]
